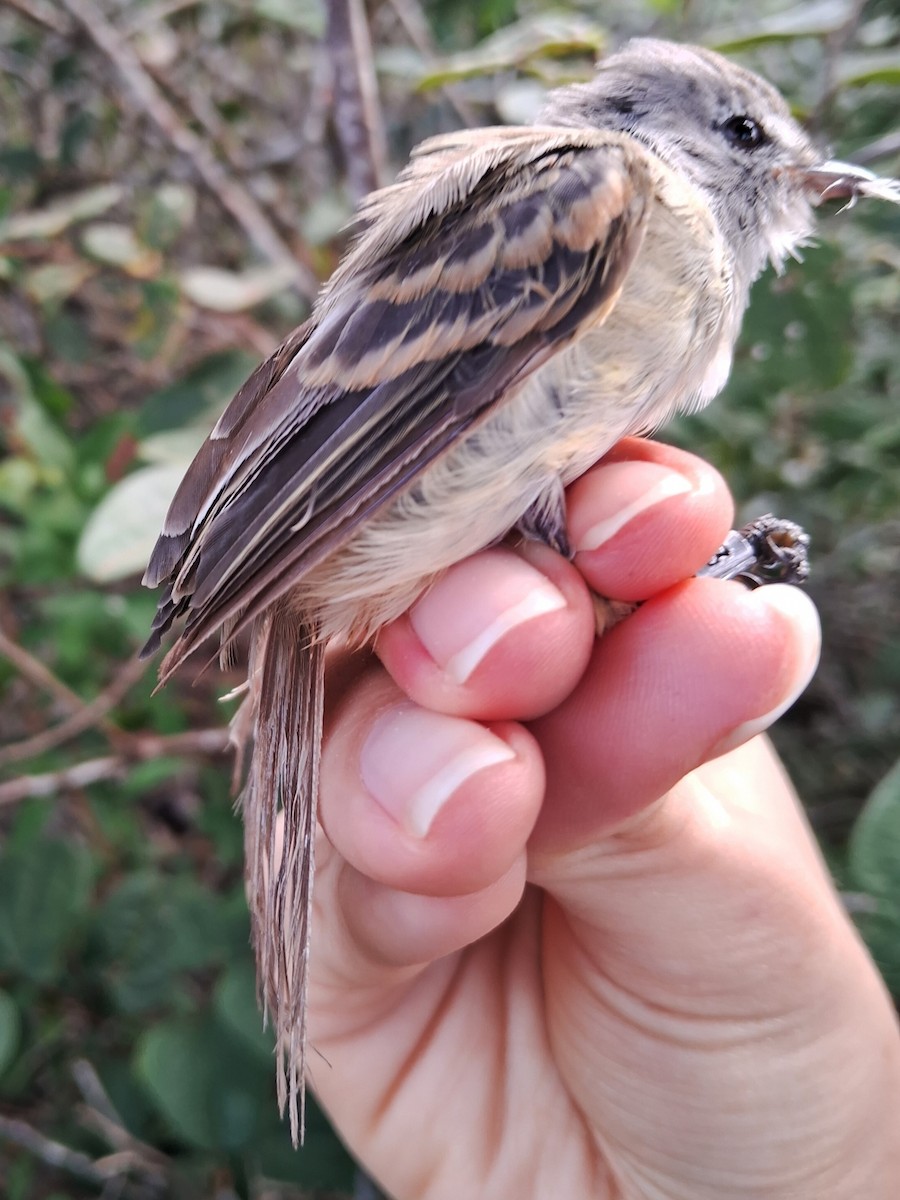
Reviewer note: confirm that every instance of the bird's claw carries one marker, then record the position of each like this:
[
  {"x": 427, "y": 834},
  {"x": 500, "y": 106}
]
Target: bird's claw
[{"x": 768, "y": 550}]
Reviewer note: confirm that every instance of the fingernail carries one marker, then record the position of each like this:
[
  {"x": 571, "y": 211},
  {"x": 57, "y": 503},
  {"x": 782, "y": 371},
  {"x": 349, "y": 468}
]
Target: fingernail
[
  {"x": 619, "y": 493},
  {"x": 414, "y": 760},
  {"x": 795, "y": 607},
  {"x": 478, "y": 603}
]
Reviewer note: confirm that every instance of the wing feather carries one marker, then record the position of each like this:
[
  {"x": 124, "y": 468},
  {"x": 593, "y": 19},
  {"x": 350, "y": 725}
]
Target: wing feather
[{"x": 491, "y": 253}]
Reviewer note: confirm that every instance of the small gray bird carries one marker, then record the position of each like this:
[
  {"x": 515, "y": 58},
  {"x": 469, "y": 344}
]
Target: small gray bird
[{"x": 514, "y": 304}]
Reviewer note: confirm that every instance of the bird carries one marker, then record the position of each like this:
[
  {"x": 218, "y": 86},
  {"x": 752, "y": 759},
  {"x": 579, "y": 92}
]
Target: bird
[{"x": 517, "y": 301}]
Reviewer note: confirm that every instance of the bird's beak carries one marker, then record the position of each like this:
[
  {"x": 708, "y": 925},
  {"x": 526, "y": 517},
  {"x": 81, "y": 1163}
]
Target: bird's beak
[{"x": 833, "y": 180}]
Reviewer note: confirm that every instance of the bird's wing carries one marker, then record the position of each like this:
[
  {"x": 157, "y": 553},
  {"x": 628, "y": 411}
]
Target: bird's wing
[{"x": 493, "y": 250}]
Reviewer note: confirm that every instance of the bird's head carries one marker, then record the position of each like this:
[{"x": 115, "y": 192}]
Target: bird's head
[{"x": 726, "y": 130}]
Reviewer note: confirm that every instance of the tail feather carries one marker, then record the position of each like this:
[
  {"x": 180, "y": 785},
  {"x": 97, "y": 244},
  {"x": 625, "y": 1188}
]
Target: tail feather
[{"x": 286, "y": 691}]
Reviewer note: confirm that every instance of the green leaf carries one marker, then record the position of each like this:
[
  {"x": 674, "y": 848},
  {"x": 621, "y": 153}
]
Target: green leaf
[
  {"x": 234, "y": 291},
  {"x": 19, "y": 477},
  {"x": 859, "y": 70},
  {"x": 122, "y": 530},
  {"x": 53, "y": 282},
  {"x": 57, "y": 217},
  {"x": 875, "y": 841},
  {"x": 305, "y": 15},
  {"x": 75, "y": 136},
  {"x": 32, "y": 425},
  {"x": 44, "y": 889},
  {"x": 198, "y": 396},
  {"x": 154, "y": 929},
  {"x": 874, "y": 865},
  {"x": 818, "y": 19},
  {"x": 117, "y": 245},
  {"x": 160, "y": 306},
  {"x": 135, "y": 931},
  {"x": 169, "y": 211},
  {"x": 148, "y": 776},
  {"x": 82, "y": 633},
  {"x": 20, "y": 163},
  {"x": 209, "y": 1089},
  {"x": 521, "y": 45},
  {"x": 10, "y": 1030},
  {"x": 797, "y": 326},
  {"x": 323, "y": 1163},
  {"x": 235, "y": 1004}
]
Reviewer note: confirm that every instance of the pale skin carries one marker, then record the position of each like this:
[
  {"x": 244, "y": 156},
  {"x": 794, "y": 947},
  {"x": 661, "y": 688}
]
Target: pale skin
[{"x": 573, "y": 937}]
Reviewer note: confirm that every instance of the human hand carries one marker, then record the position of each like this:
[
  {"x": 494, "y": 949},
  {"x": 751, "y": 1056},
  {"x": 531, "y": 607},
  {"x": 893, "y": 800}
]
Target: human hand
[{"x": 593, "y": 954}]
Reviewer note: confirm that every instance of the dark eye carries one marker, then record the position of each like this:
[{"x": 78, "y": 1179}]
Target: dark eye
[{"x": 743, "y": 132}]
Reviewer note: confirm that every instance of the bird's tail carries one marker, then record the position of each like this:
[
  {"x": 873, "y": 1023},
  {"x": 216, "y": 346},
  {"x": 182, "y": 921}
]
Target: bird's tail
[{"x": 284, "y": 710}]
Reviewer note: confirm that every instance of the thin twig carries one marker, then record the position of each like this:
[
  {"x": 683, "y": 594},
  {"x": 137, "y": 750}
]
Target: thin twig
[
  {"x": 357, "y": 112},
  {"x": 100, "y": 1113},
  {"x": 415, "y": 26},
  {"x": 86, "y": 716},
  {"x": 36, "y": 673},
  {"x": 153, "y": 13},
  {"x": 835, "y": 44},
  {"x": 204, "y": 112},
  {"x": 42, "y": 14},
  {"x": 113, "y": 766},
  {"x": 146, "y": 97},
  {"x": 31, "y": 787},
  {"x": 54, "y": 1154},
  {"x": 314, "y": 122},
  {"x": 92, "y": 1090},
  {"x": 194, "y": 741},
  {"x": 883, "y": 147},
  {"x": 100, "y": 1172}
]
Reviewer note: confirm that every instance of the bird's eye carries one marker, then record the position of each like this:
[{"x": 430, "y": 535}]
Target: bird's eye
[{"x": 743, "y": 132}]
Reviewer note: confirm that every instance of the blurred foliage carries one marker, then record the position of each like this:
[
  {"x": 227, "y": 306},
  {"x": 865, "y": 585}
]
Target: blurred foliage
[{"x": 131, "y": 307}]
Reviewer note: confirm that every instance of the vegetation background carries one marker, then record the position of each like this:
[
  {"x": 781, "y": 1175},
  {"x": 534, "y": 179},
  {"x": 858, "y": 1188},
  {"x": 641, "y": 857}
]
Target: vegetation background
[{"x": 175, "y": 175}]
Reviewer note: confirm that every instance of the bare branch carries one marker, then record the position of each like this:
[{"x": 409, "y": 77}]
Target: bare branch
[
  {"x": 31, "y": 787},
  {"x": 315, "y": 121},
  {"x": 36, "y": 673},
  {"x": 153, "y": 13},
  {"x": 146, "y": 98},
  {"x": 415, "y": 25},
  {"x": 63, "y": 1158},
  {"x": 54, "y": 1154},
  {"x": 194, "y": 741},
  {"x": 86, "y": 716},
  {"x": 100, "y": 1113},
  {"x": 834, "y": 46},
  {"x": 95, "y": 770},
  {"x": 884, "y": 147},
  {"x": 357, "y": 112},
  {"x": 41, "y": 13}
]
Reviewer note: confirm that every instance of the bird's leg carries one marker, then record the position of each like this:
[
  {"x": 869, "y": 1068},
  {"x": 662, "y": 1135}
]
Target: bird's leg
[
  {"x": 768, "y": 550},
  {"x": 545, "y": 519}
]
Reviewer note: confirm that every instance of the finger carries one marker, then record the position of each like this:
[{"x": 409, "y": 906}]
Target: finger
[
  {"x": 425, "y": 802},
  {"x": 501, "y": 634},
  {"x": 383, "y": 929},
  {"x": 507, "y": 634},
  {"x": 426, "y": 818},
  {"x": 695, "y": 671},
  {"x": 647, "y": 516}
]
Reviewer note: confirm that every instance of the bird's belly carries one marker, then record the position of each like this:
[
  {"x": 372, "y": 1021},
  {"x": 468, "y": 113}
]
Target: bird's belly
[{"x": 660, "y": 350}]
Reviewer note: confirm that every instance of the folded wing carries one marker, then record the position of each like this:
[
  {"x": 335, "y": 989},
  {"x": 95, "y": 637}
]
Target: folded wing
[{"x": 492, "y": 251}]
